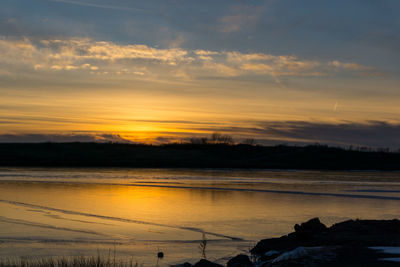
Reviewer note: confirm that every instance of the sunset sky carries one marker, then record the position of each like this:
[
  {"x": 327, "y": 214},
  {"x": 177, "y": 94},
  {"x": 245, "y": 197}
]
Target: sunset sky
[{"x": 279, "y": 71}]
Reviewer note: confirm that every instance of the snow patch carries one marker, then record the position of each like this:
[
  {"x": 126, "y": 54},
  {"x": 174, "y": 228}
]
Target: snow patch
[
  {"x": 271, "y": 253},
  {"x": 389, "y": 250}
]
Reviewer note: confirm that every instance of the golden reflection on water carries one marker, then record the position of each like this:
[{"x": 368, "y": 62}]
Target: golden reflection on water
[{"x": 141, "y": 217}]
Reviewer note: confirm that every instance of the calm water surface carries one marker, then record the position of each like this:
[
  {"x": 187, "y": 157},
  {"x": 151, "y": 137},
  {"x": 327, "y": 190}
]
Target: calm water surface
[{"x": 67, "y": 212}]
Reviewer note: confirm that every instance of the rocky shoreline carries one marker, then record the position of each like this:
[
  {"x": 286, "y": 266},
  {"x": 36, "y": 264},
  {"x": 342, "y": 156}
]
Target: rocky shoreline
[{"x": 348, "y": 243}]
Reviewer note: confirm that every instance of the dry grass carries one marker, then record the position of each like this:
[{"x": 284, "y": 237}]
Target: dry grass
[{"x": 68, "y": 262}]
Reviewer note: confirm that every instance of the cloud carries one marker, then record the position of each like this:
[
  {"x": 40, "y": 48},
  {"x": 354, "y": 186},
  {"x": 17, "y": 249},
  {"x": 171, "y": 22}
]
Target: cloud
[
  {"x": 97, "y": 5},
  {"x": 257, "y": 67},
  {"x": 370, "y": 133},
  {"x": 351, "y": 66},
  {"x": 82, "y": 55},
  {"x": 75, "y": 50},
  {"x": 111, "y": 51},
  {"x": 240, "y": 17},
  {"x": 240, "y": 57},
  {"x": 220, "y": 69},
  {"x": 205, "y": 52},
  {"x": 275, "y": 66},
  {"x": 61, "y": 138},
  {"x": 375, "y": 134},
  {"x": 363, "y": 134}
]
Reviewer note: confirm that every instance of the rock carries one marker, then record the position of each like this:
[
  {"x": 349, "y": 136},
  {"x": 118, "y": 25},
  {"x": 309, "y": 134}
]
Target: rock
[
  {"x": 186, "y": 264},
  {"x": 206, "y": 263},
  {"x": 240, "y": 261},
  {"x": 337, "y": 244},
  {"x": 283, "y": 243},
  {"x": 366, "y": 232},
  {"x": 313, "y": 226},
  {"x": 308, "y": 230},
  {"x": 352, "y": 232}
]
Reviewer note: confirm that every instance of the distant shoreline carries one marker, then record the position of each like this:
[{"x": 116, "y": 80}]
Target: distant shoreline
[
  {"x": 200, "y": 169},
  {"x": 207, "y": 156}
]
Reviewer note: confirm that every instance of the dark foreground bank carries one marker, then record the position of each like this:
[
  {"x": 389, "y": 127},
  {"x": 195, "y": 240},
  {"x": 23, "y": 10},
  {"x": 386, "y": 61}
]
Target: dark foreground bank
[
  {"x": 194, "y": 156},
  {"x": 352, "y": 243},
  {"x": 345, "y": 244}
]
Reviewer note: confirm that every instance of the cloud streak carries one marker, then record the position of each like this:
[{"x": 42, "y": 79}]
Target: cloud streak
[
  {"x": 240, "y": 17},
  {"x": 97, "y": 5},
  {"x": 142, "y": 61},
  {"x": 370, "y": 133},
  {"x": 62, "y": 138},
  {"x": 367, "y": 134}
]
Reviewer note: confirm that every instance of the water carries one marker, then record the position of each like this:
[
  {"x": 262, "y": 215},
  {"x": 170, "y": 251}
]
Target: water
[{"x": 136, "y": 213}]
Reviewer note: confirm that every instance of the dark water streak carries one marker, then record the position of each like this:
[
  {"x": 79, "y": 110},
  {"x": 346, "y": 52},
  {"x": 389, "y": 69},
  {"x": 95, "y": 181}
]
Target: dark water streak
[{"x": 193, "y": 229}]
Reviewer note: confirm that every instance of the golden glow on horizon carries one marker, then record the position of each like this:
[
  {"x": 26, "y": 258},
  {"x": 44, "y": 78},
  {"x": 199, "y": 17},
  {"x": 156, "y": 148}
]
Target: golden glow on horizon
[
  {"x": 148, "y": 94},
  {"x": 145, "y": 117}
]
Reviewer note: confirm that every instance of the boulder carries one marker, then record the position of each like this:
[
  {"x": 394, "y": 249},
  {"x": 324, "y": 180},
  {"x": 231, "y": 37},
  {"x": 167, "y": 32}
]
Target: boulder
[
  {"x": 240, "y": 261},
  {"x": 206, "y": 263},
  {"x": 313, "y": 226},
  {"x": 355, "y": 233},
  {"x": 186, "y": 264}
]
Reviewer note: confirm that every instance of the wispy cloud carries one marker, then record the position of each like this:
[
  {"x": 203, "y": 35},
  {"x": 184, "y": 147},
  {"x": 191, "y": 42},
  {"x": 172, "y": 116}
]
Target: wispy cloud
[
  {"x": 97, "y": 5},
  {"x": 240, "y": 17},
  {"x": 367, "y": 134},
  {"x": 137, "y": 60},
  {"x": 62, "y": 138}
]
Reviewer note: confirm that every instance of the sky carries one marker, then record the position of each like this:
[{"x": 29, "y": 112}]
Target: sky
[{"x": 278, "y": 71}]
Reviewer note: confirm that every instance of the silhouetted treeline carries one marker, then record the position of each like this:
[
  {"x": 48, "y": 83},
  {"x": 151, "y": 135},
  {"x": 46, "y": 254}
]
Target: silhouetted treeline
[{"x": 194, "y": 156}]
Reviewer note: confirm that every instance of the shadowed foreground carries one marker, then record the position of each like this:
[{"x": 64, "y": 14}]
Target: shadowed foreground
[
  {"x": 349, "y": 243},
  {"x": 343, "y": 244},
  {"x": 67, "y": 262},
  {"x": 194, "y": 156}
]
